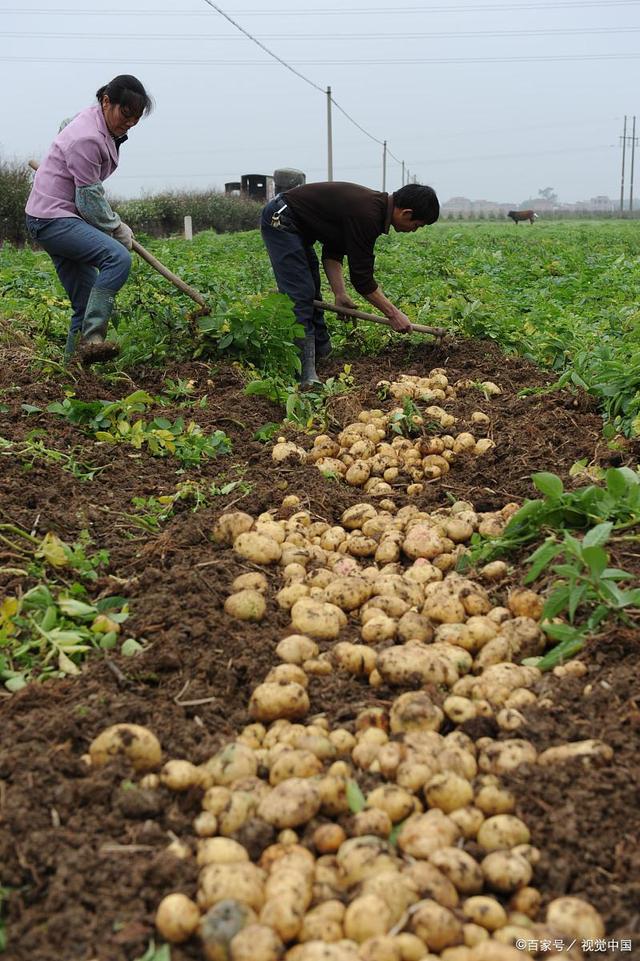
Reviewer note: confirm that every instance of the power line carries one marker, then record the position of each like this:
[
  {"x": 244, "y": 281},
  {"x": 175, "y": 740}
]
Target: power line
[
  {"x": 329, "y": 11},
  {"x": 541, "y": 58},
  {"x": 262, "y": 46},
  {"x": 350, "y": 37}
]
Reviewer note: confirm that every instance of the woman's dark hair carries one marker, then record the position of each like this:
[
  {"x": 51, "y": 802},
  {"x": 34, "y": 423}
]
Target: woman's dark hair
[
  {"x": 129, "y": 93},
  {"x": 421, "y": 200}
]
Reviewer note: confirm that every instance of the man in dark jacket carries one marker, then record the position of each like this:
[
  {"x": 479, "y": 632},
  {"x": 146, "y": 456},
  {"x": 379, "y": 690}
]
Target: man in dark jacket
[{"x": 346, "y": 219}]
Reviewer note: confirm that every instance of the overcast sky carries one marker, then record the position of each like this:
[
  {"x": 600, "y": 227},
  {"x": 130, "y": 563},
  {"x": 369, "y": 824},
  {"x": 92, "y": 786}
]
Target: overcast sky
[{"x": 492, "y": 100}]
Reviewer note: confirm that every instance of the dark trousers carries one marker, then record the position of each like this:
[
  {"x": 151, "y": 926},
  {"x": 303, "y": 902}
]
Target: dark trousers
[{"x": 296, "y": 269}]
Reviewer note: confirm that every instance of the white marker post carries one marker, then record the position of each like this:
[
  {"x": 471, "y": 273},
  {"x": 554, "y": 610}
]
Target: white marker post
[{"x": 188, "y": 228}]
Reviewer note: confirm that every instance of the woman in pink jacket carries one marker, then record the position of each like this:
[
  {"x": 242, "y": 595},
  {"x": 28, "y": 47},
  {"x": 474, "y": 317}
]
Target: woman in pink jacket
[{"x": 70, "y": 217}]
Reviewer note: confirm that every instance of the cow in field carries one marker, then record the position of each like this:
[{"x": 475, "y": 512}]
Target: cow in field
[{"x": 518, "y": 215}]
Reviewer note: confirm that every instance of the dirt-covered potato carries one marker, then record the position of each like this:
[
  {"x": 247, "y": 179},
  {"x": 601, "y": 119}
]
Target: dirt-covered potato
[
  {"x": 354, "y": 517},
  {"x": 415, "y": 711},
  {"x": 321, "y": 951},
  {"x": 461, "y": 869},
  {"x": 231, "y": 525},
  {"x": 448, "y": 791},
  {"x": 436, "y": 925},
  {"x": 410, "y": 947},
  {"x": 503, "y": 831},
  {"x": 256, "y": 942},
  {"x": 233, "y": 762},
  {"x": 177, "y": 918},
  {"x": 491, "y": 950},
  {"x": 575, "y": 918},
  {"x": 366, "y": 917},
  {"x": 295, "y": 763},
  {"x": 505, "y": 871},
  {"x": 502, "y": 756},
  {"x": 291, "y": 803},
  {"x": 423, "y": 834},
  {"x": 258, "y": 548},
  {"x": 246, "y": 605},
  {"x": 238, "y": 881},
  {"x": 356, "y": 659},
  {"x": 219, "y": 926},
  {"x": 135, "y": 742},
  {"x": 566, "y": 752},
  {"x": 220, "y": 851},
  {"x": 362, "y": 857},
  {"x": 393, "y": 800},
  {"x": 296, "y": 649},
  {"x": 180, "y": 775},
  {"x": 348, "y": 593},
  {"x": 407, "y": 666},
  {"x": 523, "y": 602},
  {"x": 485, "y": 911},
  {"x": 270, "y": 701},
  {"x": 374, "y": 821},
  {"x": 317, "y": 619},
  {"x": 492, "y": 797},
  {"x": 468, "y": 820}
]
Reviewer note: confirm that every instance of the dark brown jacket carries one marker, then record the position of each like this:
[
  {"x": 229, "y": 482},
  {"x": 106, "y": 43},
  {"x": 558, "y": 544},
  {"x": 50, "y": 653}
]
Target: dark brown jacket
[{"x": 347, "y": 219}]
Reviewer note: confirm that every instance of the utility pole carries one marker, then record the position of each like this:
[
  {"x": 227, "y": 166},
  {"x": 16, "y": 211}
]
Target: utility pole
[
  {"x": 402, "y": 184},
  {"x": 624, "y": 148},
  {"x": 384, "y": 166},
  {"x": 633, "y": 155},
  {"x": 330, "y": 138}
]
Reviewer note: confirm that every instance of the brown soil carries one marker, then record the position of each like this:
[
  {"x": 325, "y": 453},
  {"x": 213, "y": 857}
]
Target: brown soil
[{"x": 81, "y": 851}]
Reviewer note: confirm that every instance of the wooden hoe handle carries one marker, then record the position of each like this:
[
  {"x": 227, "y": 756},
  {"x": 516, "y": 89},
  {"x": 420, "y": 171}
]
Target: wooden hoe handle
[{"x": 352, "y": 312}]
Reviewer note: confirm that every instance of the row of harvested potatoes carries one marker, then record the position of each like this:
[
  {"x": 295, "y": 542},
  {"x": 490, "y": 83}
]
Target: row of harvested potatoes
[
  {"x": 428, "y": 859},
  {"x": 363, "y": 455}
]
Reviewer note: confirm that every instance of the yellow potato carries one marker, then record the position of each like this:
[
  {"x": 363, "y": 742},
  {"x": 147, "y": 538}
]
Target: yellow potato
[
  {"x": 180, "y": 775},
  {"x": 177, "y": 918},
  {"x": 291, "y": 803},
  {"x": 461, "y": 869},
  {"x": 505, "y": 871},
  {"x": 436, "y": 925},
  {"x": 231, "y": 525},
  {"x": 317, "y": 619},
  {"x": 270, "y": 701},
  {"x": 256, "y": 942},
  {"x": 423, "y": 834},
  {"x": 242, "y": 882},
  {"x": 575, "y": 918},
  {"x": 137, "y": 743},
  {"x": 485, "y": 911},
  {"x": 366, "y": 917},
  {"x": 448, "y": 791},
  {"x": 503, "y": 831}
]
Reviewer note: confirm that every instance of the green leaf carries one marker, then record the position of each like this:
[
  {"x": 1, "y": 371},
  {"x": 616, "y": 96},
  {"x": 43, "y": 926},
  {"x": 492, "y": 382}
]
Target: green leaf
[
  {"x": 131, "y": 647},
  {"x": 31, "y": 409},
  {"x": 548, "y": 484},
  {"x": 355, "y": 798},
  {"x": 75, "y": 608},
  {"x": 597, "y": 535}
]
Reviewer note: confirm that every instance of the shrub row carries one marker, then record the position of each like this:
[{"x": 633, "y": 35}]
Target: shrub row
[{"x": 156, "y": 214}]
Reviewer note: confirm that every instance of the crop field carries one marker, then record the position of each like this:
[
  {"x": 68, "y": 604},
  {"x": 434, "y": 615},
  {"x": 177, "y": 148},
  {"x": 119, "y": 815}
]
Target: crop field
[{"x": 347, "y": 675}]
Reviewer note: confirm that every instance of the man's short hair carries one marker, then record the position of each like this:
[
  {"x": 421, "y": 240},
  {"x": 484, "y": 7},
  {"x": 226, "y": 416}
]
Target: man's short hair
[{"x": 421, "y": 200}]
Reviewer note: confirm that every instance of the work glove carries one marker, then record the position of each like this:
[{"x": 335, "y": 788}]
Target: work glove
[{"x": 124, "y": 235}]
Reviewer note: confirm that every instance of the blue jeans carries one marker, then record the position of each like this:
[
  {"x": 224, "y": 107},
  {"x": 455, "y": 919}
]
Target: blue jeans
[
  {"x": 296, "y": 269},
  {"x": 84, "y": 257}
]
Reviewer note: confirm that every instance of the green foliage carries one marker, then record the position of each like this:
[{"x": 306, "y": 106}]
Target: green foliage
[
  {"x": 114, "y": 423},
  {"x": 408, "y": 421},
  {"x": 260, "y": 331},
  {"x": 47, "y": 632},
  {"x": 160, "y": 953},
  {"x": 305, "y": 409},
  {"x": 33, "y": 448},
  {"x": 15, "y": 184},
  {"x": 617, "y": 501},
  {"x": 191, "y": 495},
  {"x": 355, "y": 798}
]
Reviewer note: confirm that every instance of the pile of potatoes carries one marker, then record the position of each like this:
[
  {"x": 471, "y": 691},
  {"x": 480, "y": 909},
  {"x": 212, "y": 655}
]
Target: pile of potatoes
[
  {"x": 431, "y": 862},
  {"x": 364, "y": 456}
]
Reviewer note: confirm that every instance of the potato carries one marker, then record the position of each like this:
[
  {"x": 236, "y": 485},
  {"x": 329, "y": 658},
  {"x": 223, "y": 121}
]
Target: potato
[
  {"x": 320, "y": 951},
  {"x": 256, "y": 942},
  {"x": 177, "y": 918},
  {"x": 220, "y": 851},
  {"x": 180, "y": 775},
  {"x": 575, "y": 918},
  {"x": 361, "y": 857},
  {"x": 246, "y": 605},
  {"x": 295, "y": 763},
  {"x": 448, "y": 791},
  {"x": 366, "y": 917},
  {"x": 502, "y": 831},
  {"x": 430, "y": 883},
  {"x": 374, "y": 821},
  {"x": 485, "y": 911},
  {"x": 296, "y": 649},
  {"x": 415, "y": 711},
  {"x": 137, "y": 743},
  {"x": 348, "y": 593},
  {"x": 239, "y": 881},
  {"x": 406, "y": 666},
  {"x": 523, "y": 602},
  {"x": 494, "y": 951},
  {"x": 526, "y": 901},
  {"x": 422, "y": 834},
  {"x": 270, "y": 701},
  {"x": 378, "y": 629},
  {"x": 288, "y": 451},
  {"x": 493, "y": 799},
  {"x": 459, "y": 709},
  {"x": 505, "y": 871},
  {"x": 220, "y": 925},
  {"x": 503, "y": 756},
  {"x": 241, "y": 806},
  {"x": 258, "y": 548},
  {"x": 355, "y": 658},
  {"x": 566, "y": 752},
  {"x": 229, "y": 526},
  {"x": 436, "y": 925},
  {"x": 317, "y": 619},
  {"x": 319, "y": 926},
  {"x": 354, "y": 517},
  {"x": 233, "y": 762},
  {"x": 461, "y": 869},
  {"x": 410, "y": 947},
  {"x": 397, "y": 803},
  {"x": 254, "y": 580},
  {"x": 468, "y": 820},
  {"x": 328, "y": 837},
  {"x": 291, "y": 803}
]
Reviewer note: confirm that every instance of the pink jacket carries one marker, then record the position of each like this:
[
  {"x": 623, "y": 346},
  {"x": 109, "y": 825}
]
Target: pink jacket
[{"x": 83, "y": 153}]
